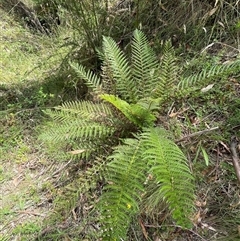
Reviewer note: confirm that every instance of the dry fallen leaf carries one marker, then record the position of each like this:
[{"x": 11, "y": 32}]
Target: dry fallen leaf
[
  {"x": 143, "y": 229},
  {"x": 76, "y": 152},
  {"x": 200, "y": 204},
  {"x": 197, "y": 218},
  {"x": 173, "y": 114},
  {"x": 207, "y": 88}
]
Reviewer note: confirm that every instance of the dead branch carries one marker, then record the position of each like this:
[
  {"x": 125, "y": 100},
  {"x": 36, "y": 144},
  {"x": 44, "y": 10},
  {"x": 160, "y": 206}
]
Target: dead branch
[
  {"x": 235, "y": 158},
  {"x": 197, "y": 134}
]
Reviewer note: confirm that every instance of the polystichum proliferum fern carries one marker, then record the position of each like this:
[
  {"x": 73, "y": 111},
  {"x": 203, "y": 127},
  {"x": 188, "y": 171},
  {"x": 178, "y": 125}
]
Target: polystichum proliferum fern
[
  {"x": 151, "y": 153},
  {"x": 127, "y": 97}
]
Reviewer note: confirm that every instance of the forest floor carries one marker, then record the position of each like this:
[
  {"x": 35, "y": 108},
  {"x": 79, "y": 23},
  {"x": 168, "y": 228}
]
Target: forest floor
[
  {"x": 26, "y": 173},
  {"x": 31, "y": 180}
]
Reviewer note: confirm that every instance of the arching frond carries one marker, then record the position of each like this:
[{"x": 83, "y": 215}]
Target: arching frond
[
  {"x": 91, "y": 79},
  {"x": 82, "y": 109},
  {"x": 80, "y": 125},
  {"x": 120, "y": 198},
  {"x": 207, "y": 74},
  {"x": 120, "y": 68},
  {"x": 167, "y": 75},
  {"x": 142, "y": 116},
  {"x": 168, "y": 165},
  {"x": 151, "y": 152},
  {"x": 145, "y": 65}
]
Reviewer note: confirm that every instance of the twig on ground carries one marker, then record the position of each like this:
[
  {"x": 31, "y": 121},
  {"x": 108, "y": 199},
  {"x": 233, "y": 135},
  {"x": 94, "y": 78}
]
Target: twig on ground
[
  {"x": 31, "y": 213},
  {"x": 58, "y": 171},
  {"x": 197, "y": 134},
  {"x": 235, "y": 158}
]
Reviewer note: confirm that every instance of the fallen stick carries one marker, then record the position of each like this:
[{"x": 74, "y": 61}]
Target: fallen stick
[
  {"x": 197, "y": 133},
  {"x": 235, "y": 158},
  {"x": 31, "y": 213}
]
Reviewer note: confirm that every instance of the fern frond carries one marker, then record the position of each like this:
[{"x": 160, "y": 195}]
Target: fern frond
[
  {"x": 207, "y": 74},
  {"x": 135, "y": 113},
  {"x": 120, "y": 198},
  {"x": 120, "y": 69},
  {"x": 78, "y": 135},
  {"x": 151, "y": 104},
  {"x": 92, "y": 80},
  {"x": 145, "y": 65},
  {"x": 152, "y": 200},
  {"x": 109, "y": 84},
  {"x": 80, "y": 109},
  {"x": 163, "y": 87},
  {"x": 143, "y": 117},
  {"x": 120, "y": 104},
  {"x": 169, "y": 168},
  {"x": 78, "y": 128},
  {"x": 81, "y": 125}
]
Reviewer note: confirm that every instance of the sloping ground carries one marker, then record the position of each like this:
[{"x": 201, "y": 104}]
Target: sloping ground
[
  {"x": 26, "y": 52},
  {"x": 31, "y": 182},
  {"x": 26, "y": 59}
]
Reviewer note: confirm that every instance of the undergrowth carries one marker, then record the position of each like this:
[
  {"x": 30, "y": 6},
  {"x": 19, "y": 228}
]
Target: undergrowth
[
  {"x": 40, "y": 195},
  {"x": 137, "y": 93}
]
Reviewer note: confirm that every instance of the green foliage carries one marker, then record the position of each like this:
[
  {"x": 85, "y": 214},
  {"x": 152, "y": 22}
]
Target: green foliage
[
  {"x": 92, "y": 80},
  {"x": 135, "y": 113},
  {"x": 120, "y": 198},
  {"x": 127, "y": 111},
  {"x": 145, "y": 66},
  {"x": 120, "y": 69},
  {"x": 168, "y": 77},
  {"x": 26, "y": 228},
  {"x": 82, "y": 126},
  {"x": 192, "y": 26},
  {"x": 168, "y": 165},
  {"x": 86, "y": 19},
  {"x": 151, "y": 152},
  {"x": 208, "y": 74},
  {"x": 123, "y": 103}
]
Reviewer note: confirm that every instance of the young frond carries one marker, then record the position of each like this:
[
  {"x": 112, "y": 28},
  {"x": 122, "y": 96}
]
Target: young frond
[
  {"x": 120, "y": 104},
  {"x": 167, "y": 74},
  {"x": 142, "y": 116},
  {"x": 120, "y": 198},
  {"x": 92, "y": 80},
  {"x": 207, "y": 74},
  {"x": 151, "y": 104},
  {"x": 168, "y": 165},
  {"x": 120, "y": 69},
  {"x": 135, "y": 113},
  {"x": 145, "y": 65}
]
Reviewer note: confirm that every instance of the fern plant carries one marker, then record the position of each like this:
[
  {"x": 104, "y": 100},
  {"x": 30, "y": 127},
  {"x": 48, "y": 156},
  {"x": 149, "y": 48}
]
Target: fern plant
[
  {"x": 120, "y": 122},
  {"x": 151, "y": 153}
]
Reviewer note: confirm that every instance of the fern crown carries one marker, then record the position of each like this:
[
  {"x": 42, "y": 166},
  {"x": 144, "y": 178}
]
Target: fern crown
[{"x": 119, "y": 129}]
